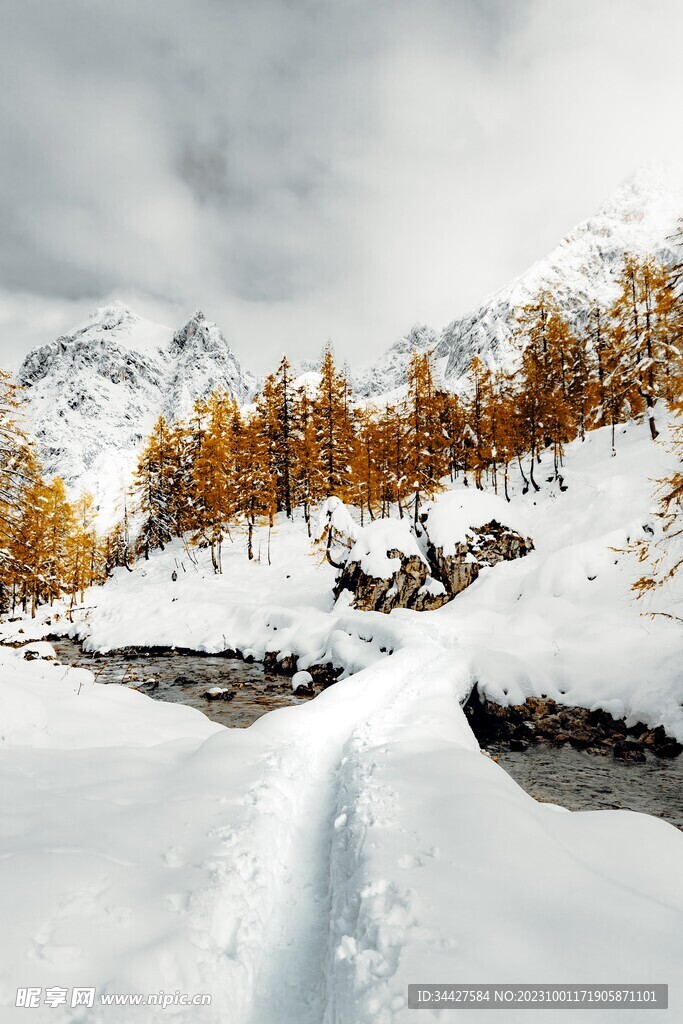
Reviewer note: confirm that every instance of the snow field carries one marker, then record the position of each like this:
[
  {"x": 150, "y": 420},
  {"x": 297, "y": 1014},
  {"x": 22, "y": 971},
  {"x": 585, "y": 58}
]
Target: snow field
[{"x": 311, "y": 867}]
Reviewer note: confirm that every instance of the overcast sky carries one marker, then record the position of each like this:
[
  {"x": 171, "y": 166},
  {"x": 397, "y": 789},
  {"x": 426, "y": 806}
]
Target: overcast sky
[{"x": 312, "y": 169}]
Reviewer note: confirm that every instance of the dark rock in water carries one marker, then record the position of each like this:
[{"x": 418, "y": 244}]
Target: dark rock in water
[
  {"x": 326, "y": 674},
  {"x": 541, "y": 719},
  {"x": 518, "y": 744},
  {"x": 629, "y": 750},
  {"x": 486, "y": 545},
  {"x": 659, "y": 743},
  {"x": 284, "y": 665},
  {"x": 219, "y": 695},
  {"x": 304, "y": 691},
  {"x": 184, "y": 681}
]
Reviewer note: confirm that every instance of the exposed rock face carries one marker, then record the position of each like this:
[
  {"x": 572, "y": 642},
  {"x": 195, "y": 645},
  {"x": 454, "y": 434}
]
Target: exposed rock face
[
  {"x": 410, "y": 586},
  {"x": 490, "y": 544},
  {"x": 542, "y": 720}
]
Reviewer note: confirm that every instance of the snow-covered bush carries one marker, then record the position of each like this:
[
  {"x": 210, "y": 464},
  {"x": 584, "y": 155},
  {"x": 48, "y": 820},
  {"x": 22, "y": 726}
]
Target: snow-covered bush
[{"x": 336, "y": 528}]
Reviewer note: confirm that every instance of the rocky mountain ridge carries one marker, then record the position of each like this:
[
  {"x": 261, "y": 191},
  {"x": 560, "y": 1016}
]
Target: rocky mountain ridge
[
  {"x": 92, "y": 395},
  {"x": 643, "y": 215}
]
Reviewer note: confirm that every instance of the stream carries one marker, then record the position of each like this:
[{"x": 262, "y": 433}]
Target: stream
[
  {"x": 185, "y": 678},
  {"x": 576, "y": 779}
]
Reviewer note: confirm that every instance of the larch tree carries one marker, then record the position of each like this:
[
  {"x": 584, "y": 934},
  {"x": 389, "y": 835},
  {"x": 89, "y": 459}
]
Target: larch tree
[
  {"x": 642, "y": 319},
  {"x": 254, "y": 478},
  {"x": 427, "y": 460},
  {"x": 153, "y": 487},
  {"x": 305, "y": 455},
  {"x": 213, "y": 474},
  {"x": 334, "y": 430}
]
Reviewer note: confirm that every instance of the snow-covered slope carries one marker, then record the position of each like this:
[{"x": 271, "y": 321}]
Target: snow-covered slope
[
  {"x": 93, "y": 394},
  {"x": 309, "y": 868},
  {"x": 643, "y": 215}
]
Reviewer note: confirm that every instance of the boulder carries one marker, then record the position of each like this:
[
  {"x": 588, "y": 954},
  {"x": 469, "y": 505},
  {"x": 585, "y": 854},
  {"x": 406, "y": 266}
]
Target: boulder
[
  {"x": 218, "y": 693},
  {"x": 467, "y": 530},
  {"x": 39, "y": 650},
  {"x": 385, "y": 565},
  {"x": 385, "y": 569}
]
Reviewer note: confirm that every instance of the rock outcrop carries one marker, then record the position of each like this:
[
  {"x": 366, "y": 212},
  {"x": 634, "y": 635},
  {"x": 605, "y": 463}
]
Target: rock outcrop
[
  {"x": 387, "y": 568},
  {"x": 488, "y": 545},
  {"x": 542, "y": 720}
]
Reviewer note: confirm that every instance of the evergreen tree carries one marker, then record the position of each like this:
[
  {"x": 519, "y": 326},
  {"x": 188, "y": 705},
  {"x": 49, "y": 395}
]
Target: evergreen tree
[
  {"x": 277, "y": 408},
  {"x": 333, "y": 427},
  {"x": 153, "y": 487}
]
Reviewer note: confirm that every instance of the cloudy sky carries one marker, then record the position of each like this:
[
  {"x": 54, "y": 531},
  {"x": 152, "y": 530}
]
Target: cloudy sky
[{"x": 312, "y": 169}]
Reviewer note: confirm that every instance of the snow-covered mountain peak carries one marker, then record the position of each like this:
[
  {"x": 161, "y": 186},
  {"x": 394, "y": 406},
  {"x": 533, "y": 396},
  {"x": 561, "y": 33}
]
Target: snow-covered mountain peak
[
  {"x": 92, "y": 395},
  {"x": 196, "y": 322},
  {"x": 642, "y": 215}
]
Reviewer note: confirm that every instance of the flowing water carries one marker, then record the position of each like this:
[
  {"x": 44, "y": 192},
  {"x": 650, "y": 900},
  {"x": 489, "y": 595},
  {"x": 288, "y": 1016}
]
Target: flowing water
[
  {"x": 185, "y": 678},
  {"x": 572, "y": 778},
  {"x": 581, "y": 781}
]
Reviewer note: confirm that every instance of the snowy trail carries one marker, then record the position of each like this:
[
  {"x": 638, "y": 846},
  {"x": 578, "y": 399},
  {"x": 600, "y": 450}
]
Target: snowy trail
[
  {"x": 289, "y": 984},
  {"x": 300, "y": 935}
]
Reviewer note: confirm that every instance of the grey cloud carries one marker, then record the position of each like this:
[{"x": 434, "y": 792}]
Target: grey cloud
[{"x": 307, "y": 168}]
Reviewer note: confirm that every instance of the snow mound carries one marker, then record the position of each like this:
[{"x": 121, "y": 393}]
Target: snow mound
[
  {"x": 457, "y": 514},
  {"x": 376, "y": 540}
]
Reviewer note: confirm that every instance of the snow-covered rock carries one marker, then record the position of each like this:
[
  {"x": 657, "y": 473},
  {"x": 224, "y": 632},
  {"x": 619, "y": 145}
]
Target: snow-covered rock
[
  {"x": 467, "y": 530},
  {"x": 386, "y": 569},
  {"x": 92, "y": 395},
  {"x": 38, "y": 650}
]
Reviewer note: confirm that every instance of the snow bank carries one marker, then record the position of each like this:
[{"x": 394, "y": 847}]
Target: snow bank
[
  {"x": 49, "y": 706},
  {"x": 309, "y": 868}
]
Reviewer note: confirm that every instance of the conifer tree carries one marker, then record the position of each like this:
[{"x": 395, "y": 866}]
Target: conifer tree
[
  {"x": 213, "y": 472},
  {"x": 643, "y": 317},
  {"x": 306, "y": 456},
  {"x": 254, "y": 479},
  {"x": 278, "y": 409},
  {"x": 334, "y": 431},
  {"x": 424, "y": 436},
  {"x": 154, "y": 490}
]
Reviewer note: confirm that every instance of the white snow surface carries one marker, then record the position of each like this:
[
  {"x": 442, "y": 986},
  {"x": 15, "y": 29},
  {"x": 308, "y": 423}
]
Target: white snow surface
[
  {"x": 312, "y": 866},
  {"x": 457, "y": 514},
  {"x": 377, "y": 539}
]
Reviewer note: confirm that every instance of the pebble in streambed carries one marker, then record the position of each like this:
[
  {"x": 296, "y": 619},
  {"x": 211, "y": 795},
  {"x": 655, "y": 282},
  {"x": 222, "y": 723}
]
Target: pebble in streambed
[{"x": 188, "y": 679}]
